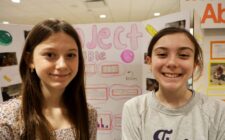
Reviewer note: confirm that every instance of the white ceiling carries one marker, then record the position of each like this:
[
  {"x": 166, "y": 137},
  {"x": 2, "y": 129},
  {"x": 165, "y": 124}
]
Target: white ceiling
[{"x": 84, "y": 11}]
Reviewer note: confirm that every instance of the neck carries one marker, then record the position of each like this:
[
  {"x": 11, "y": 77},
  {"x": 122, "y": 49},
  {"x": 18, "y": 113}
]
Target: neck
[
  {"x": 173, "y": 99},
  {"x": 53, "y": 98},
  {"x": 54, "y": 110}
]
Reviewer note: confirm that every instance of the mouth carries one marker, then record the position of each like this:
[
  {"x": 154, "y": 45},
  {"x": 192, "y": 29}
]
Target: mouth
[
  {"x": 172, "y": 75},
  {"x": 59, "y": 75}
]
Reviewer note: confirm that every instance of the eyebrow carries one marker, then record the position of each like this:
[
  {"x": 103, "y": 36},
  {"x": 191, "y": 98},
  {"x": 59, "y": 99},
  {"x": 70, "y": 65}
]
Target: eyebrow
[
  {"x": 180, "y": 49},
  {"x": 74, "y": 49},
  {"x": 186, "y": 48},
  {"x": 52, "y": 49}
]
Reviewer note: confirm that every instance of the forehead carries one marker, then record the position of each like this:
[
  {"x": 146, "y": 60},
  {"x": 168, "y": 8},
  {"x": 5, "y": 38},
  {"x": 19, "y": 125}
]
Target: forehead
[
  {"x": 175, "y": 40},
  {"x": 59, "y": 37},
  {"x": 59, "y": 40}
]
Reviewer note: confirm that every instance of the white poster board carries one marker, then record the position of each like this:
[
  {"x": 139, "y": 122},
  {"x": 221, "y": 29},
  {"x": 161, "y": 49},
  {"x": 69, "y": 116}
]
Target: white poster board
[{"x": 113, "y": 71}]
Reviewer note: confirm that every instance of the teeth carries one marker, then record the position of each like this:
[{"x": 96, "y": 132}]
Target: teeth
[{"x": 170, "y": 75}]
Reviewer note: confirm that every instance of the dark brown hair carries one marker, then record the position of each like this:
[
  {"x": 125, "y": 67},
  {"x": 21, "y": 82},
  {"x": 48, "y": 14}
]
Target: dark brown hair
[
  {"x": 198, "y": 56},
  {"x": 74, "y": 98}
]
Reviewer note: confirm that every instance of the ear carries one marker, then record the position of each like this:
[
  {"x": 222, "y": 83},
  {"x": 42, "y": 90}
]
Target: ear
[
  {"x": 29, "y": 60},
  {"x": 195, "y": 66},
  {"x": 31, "y": 66},
  {"x": 149, "y": 60}
]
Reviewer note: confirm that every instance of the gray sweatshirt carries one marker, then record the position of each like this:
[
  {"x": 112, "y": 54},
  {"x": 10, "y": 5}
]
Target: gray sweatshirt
[{"x": 202, "y": 118}]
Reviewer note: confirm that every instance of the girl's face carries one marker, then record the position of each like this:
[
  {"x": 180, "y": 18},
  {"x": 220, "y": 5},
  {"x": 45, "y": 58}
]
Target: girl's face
[
  {"x": 55, "y": 61},
  {"x": 172, "y": 61}
]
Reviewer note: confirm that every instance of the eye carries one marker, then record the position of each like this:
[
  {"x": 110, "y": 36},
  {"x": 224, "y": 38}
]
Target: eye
[
  {"x": 161, "y": 55},
  {"x": 184, "y": 56},
  {"x": 49, "y": 55},
  {"x": 185, "y": 53},
  {"x": 71, "y": 55}
]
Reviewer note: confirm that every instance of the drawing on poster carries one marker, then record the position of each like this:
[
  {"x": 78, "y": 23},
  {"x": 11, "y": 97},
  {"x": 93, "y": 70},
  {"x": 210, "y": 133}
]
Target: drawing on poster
[
  {"x": 127, "y": 56},
  {"x": 5, "y": 38},
  {"x": 97, "y": 92},
  {"x": 131, "y": 76},
  {"x": 101, "y": 93},
  {"x": 124, "y": 92},
  {"x": 7, "y": 78},
  {"x": 10, "y": 91},
  {"x": 217, "y": 50},
  {"x": 110, "y": 69},
  {"x": 217, "y": 74},
  {"x": 150, "y": 29},
  {"x": 90, "y": 69},
  {"x": 104, "y": 121},
  {"x": 8, "y": 59}
]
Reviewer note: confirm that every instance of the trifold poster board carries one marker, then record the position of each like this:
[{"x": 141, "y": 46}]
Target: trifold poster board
[
  {"x": 113, "y": 70},
  {"x": 115, "y": 64},
  {"x": 209, "y": 29},
  {"x": 12, "y": 39}
]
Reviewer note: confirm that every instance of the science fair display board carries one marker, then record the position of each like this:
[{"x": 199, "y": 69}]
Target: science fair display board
[
  {"x": 209, "y": 29},
  {"x": 113, "y": 68}
]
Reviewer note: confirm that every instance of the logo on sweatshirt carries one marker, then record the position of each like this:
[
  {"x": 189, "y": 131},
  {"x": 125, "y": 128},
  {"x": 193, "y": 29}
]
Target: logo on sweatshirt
[{"x": 163, "y": 134}]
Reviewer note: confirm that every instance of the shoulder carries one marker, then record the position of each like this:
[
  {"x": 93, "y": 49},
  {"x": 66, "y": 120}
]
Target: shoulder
[
  {"x": 9, "y": 111},
  {"x": 213, "y": 108},
  {"x": 92, "y": 113},
  {"x": 92, "y": 117},
  {"x": 139, "y": 103},
  {"x": 211, "y": 104},
  {"x": 214, "y": 111},
  {"x": 139, "y": 99},
  {"x": 91, "y": 110},
  {"x": 10, "y": 119}
]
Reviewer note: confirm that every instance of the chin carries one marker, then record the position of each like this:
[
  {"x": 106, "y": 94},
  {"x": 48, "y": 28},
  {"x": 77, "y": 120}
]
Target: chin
[
  {"x": 59, "y": 86},
  {"x": 171, "y": 87}
]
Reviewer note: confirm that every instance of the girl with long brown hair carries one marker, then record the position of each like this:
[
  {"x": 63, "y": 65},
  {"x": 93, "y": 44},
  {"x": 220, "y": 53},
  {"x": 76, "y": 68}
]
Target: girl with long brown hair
[{"x": 53, "y": 103}]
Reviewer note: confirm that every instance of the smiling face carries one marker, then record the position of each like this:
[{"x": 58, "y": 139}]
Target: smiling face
[
  {"x": 172, "y": 61},
  {"x": 55, "y": 61}
]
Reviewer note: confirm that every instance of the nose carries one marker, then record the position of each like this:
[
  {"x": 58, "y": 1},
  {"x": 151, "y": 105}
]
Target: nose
[
  {"x": 172, "y": 61},
  {"x": 61, "y": 63}
]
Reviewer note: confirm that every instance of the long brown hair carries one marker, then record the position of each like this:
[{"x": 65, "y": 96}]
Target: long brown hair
[{"x": 73, "y": 98}]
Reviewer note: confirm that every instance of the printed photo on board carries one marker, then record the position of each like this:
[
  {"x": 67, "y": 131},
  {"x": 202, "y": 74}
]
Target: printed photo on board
[
  {"x": 10, "y": 92},
  {"x": 8, "y": 59},
  {"x": 180, "y": 23},
  {"x": 151, "y": 84},
  {"x": 217, "y": 74}
]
